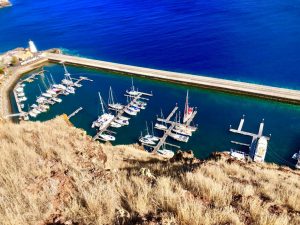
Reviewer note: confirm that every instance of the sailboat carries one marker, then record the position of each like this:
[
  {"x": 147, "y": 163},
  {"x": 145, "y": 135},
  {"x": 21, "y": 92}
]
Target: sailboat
[
  {"x": 188, "y": 111},
  {"x": 111, "y": 102},
  {"x": 297, "y": 157},
  {"x": 165, "y": 152},
  {"x": 181, "y": 129},
  {"x": 67, "y": 80},
  {"x": 105, "y": 119},
  {"x": 161, "y": 126},
  {"x": 144, "y": 140},
  {"x": 150, "y": 136},
  {"x": 132, "y": 90}
]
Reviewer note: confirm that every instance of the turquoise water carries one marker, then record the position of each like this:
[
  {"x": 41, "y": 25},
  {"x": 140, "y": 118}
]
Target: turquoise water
[{"x": 216, "y": 111}]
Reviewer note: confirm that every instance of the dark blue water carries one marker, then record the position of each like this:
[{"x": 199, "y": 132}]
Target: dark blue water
[
  {"x": 248, "y": 40},
  {"x": 256, "y": 41},
  {"x": 216, "y": 111}
]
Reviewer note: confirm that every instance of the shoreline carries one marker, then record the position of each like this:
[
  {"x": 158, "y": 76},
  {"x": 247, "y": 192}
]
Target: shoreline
[
  {"x": 10, "y": 81},
  {"x": 165, "y": 76}
]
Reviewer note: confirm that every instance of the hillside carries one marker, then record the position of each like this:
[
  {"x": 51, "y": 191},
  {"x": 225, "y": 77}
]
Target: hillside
[{"x": 53, "y": 173}]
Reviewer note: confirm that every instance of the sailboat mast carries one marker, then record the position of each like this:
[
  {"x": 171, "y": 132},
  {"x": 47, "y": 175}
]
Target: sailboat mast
[
  {"x": 132, "y": 87},
  {"x": 101, "y": 102},
  {"x": 186, "y": 107},
  {"x": 52, "y": 78},
  {"x": 147, "y": 128}
]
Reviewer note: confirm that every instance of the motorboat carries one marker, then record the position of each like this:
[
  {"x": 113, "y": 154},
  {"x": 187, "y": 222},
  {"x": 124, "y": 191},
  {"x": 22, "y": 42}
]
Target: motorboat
[
  {"x": 122, "y": 122},
  {"x": 179, "y": 137},
  {"x": 166, "y": 153},
  {"x": 47, "y": 95},
  {"x": 58, "y": 100},
  {"x": 115, "y": 125},
  {"x": 32, "y": 114},
  {"x": 182, "y": 131},
  {"x": 130, "y": 112},
  {"x": 134, "y": 108},
  {"x": 22, "y": 99},
  {"x": 123, "y": 118},
  {"x": 107, "y": 137},
  {"x": 71, "y": 90}
]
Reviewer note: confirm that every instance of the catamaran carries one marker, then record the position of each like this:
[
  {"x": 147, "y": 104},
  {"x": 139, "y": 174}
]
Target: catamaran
[
  {"x": 111, "y": 102},
  {"x": 104, "y": 119},
  {"x": 188, "y": 111},
  {"x": 132, "y": 91}
]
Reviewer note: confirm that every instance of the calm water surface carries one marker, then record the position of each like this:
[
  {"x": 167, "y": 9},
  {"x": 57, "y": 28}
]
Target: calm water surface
[
  {"x": 216, "y": 111},
  {"x": 248, "y": 40}
]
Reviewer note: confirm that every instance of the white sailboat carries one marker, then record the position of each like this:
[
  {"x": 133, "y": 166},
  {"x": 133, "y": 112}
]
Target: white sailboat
[
  {"x": 296, "y": 156},
  {"x": 144, "y": 140},
  {"x": 161, "y": 126},
  {"x": 151, "y": 136},
  {"x": 165, "y": 152},
  {"x": 68, "y": 79},
  {"x": 105, "y": 118},
  {"x": 132, "y": 91},
  {"x": 111, "y": 102},
  {"x": 188, "y": 111}
]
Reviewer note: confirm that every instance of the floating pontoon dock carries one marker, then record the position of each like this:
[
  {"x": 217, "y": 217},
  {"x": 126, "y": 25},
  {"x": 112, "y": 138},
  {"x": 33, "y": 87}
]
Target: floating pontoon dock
[
  {"x": 257, "y": 90},
  {"x": 120, "y": 113},
  {"x": 162, "y": 140}
]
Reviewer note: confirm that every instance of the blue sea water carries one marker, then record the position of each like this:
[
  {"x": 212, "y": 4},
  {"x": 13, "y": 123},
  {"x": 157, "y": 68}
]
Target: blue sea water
[{"x": 247, "y": 40}]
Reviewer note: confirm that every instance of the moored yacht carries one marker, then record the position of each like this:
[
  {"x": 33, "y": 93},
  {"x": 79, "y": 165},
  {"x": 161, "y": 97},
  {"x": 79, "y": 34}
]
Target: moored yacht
[
  {"x": 105, "y": 119},
  {"x": 111, "y": 101},
  {"x": 179, "y": 137},
  {"x": 106, "y": 137},
  {"x": 132, "y": 91}
]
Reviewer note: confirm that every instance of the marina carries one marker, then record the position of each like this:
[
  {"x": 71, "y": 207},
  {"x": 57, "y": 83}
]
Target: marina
[
  {"x": 210, "y": 102},
  {"x": 47, "y": 98},
  {"x": 118, "y": 120},
  {"x": 176, "y": 130}
]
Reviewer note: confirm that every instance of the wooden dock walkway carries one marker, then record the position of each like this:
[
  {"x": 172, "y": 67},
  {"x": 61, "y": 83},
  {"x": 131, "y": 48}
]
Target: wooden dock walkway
[{"x": 257, "y": 90}]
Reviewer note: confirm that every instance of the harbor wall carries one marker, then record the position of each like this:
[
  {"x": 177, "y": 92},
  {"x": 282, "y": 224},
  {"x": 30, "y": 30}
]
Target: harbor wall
[{"x": 235, "y": 87}]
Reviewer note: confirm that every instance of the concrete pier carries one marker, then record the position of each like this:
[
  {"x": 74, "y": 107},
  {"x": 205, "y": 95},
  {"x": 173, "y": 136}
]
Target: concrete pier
[{"x": 261, "y": 91}]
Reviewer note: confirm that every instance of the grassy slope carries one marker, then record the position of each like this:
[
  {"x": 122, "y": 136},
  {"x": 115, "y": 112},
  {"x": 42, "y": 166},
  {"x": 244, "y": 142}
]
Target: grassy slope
[{"x": 52, "y": 173}]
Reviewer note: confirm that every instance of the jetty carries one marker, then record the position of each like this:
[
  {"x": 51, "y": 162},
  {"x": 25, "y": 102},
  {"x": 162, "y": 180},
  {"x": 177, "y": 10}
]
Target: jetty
[
  {"x": 236, "y": 87},
  {"x": 140, "y": 95},
  {"x": 257, "y": 147},
  {"x": 172, "y": 125}
]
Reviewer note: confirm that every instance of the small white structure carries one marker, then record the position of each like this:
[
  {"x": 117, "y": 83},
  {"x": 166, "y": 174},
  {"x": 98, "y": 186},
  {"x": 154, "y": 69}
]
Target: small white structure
[{"x": 32, "y": 47}]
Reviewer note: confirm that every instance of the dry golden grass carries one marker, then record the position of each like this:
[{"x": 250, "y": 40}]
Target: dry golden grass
[{"x": 53, "y": 173}]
